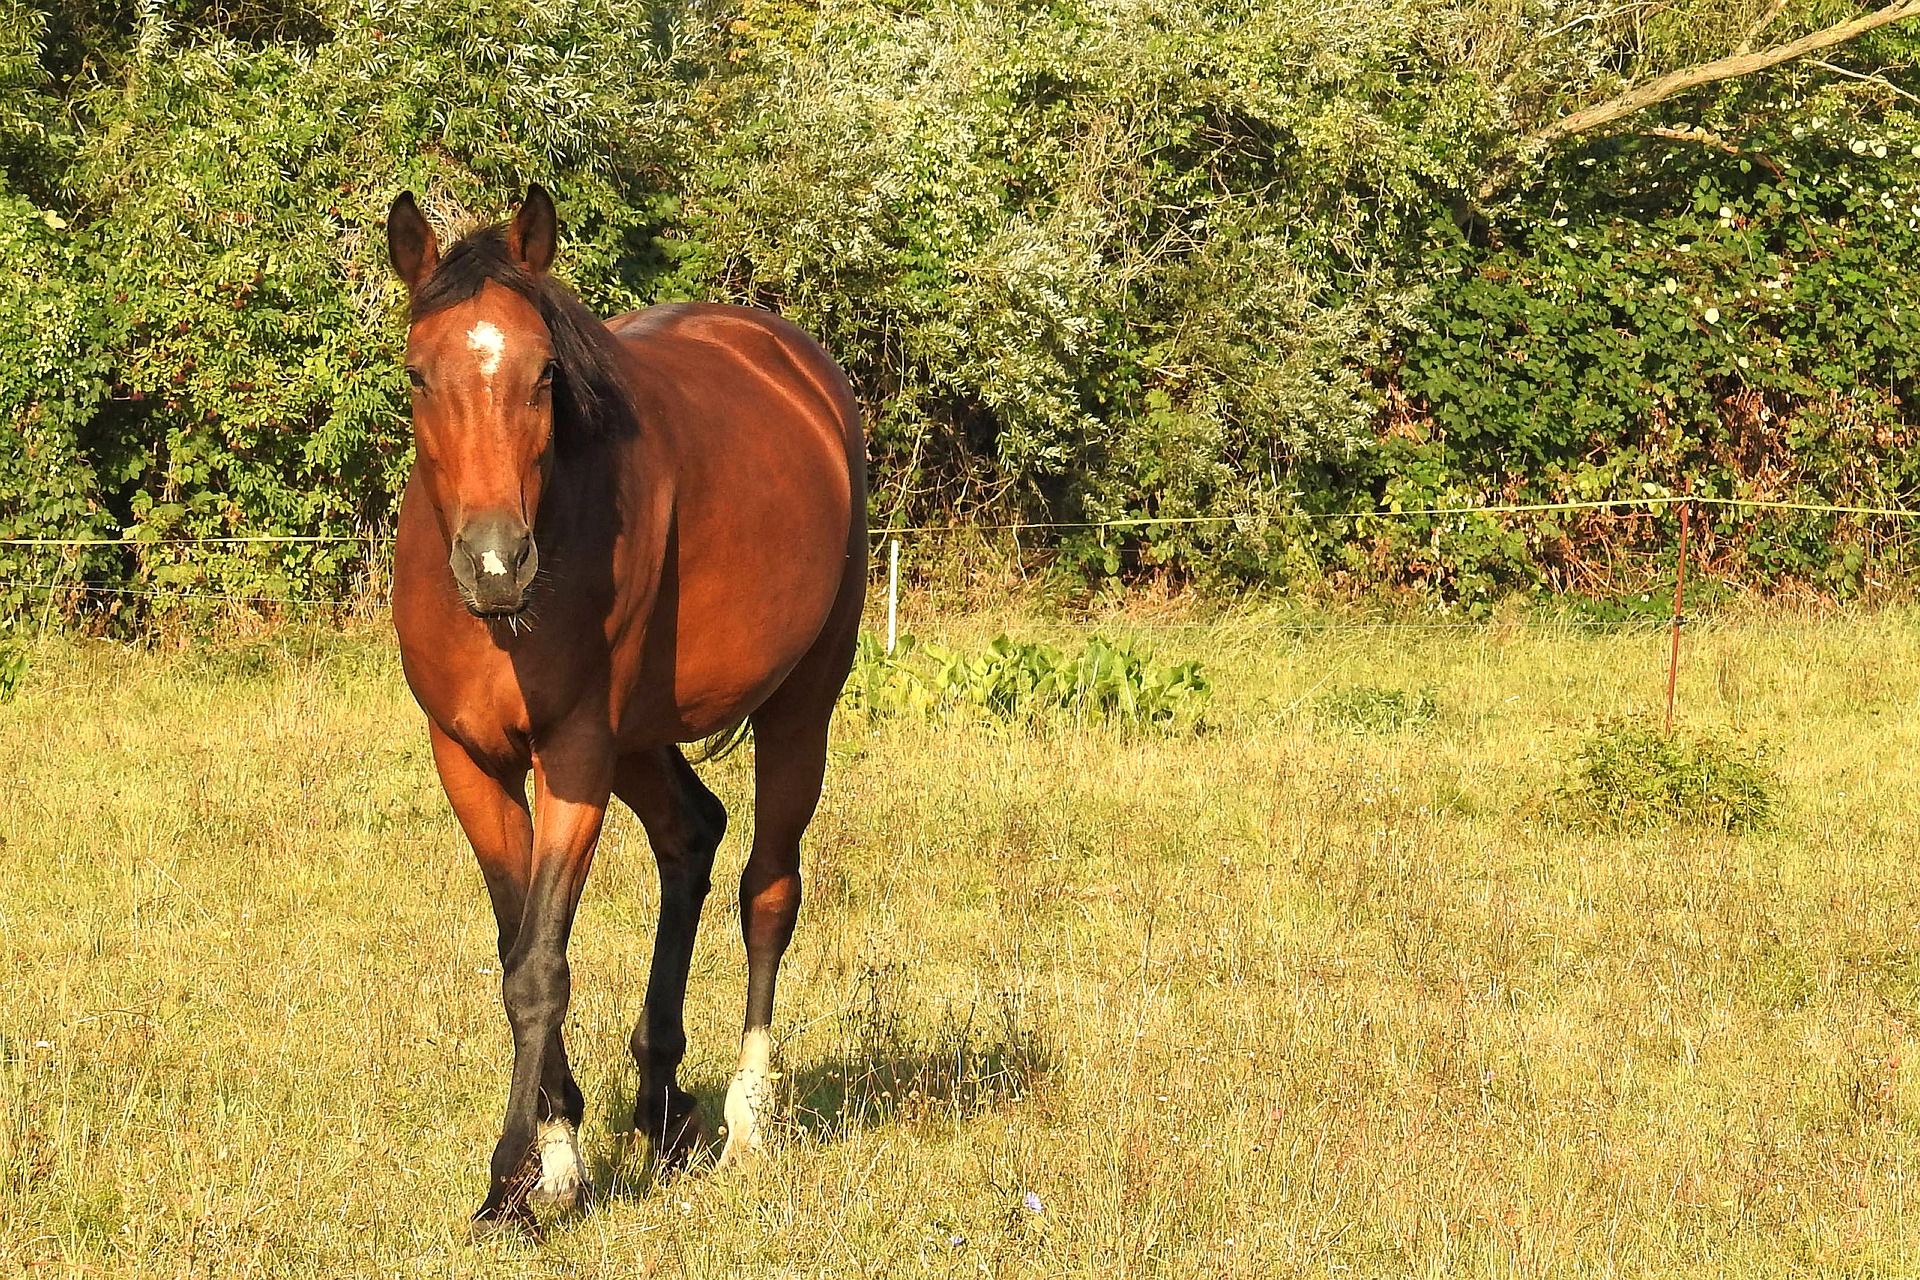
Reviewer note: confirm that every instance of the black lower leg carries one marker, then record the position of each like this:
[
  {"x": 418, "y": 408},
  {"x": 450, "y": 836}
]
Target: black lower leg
[
  {"x": 535, "y": 989},
  {"x": 663, "y": 1111},
  {"x": 659, "y": 1038},
  {"x": 769, "y": 909},
  {"x": 685, "y": 823},
  {"x": 560, "y": 1096}
]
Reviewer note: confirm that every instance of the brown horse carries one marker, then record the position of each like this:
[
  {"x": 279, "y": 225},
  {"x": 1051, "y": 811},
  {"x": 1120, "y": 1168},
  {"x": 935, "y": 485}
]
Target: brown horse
[{"x": 618, "y": 537}]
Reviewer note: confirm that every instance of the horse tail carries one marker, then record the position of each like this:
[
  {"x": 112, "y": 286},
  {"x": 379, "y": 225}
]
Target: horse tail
[{"x": 720, "y": 745}]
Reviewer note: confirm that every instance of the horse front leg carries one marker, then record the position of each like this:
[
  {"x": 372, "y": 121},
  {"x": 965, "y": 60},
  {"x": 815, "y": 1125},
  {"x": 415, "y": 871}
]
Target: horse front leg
[
  {"x": 685, "y": 823},
  {"x": 491, "y": 806},
  {"x": 572, "y": 782}
]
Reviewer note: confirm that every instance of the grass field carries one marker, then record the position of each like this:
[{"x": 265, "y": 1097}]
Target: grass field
[{"x": 1274, "y": 999}]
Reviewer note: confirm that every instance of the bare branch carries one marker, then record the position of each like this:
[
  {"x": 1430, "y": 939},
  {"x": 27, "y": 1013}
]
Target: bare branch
[
  {"x": 1760, "y": 24},
  {"x": 1705, "y": 137},
  {"x": 1708, "y": 138},
  {"x": 1877, "y": 80},
  {"x": 1660, "y": 88}
]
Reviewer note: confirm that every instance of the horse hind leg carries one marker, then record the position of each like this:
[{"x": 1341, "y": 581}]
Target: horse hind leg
[
  {"x": 684, "y": 822},
  {"x": 789, "y": 765},
  {"x": 790, "y": 757}
]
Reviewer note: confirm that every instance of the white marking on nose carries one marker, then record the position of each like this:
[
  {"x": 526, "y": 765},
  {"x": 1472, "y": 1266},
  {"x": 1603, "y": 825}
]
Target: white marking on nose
[
  {"x": 486, "y": 341},
  {"x": 492, "y": 563}
]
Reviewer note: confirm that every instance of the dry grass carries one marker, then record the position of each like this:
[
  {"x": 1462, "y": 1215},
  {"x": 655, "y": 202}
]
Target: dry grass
[{"x": 1281, "y": 999}]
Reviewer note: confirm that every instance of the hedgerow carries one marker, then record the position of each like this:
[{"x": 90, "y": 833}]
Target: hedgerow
[
  {"x": 1087, "y": 261},
  {"x": 1729, "y": 322}
]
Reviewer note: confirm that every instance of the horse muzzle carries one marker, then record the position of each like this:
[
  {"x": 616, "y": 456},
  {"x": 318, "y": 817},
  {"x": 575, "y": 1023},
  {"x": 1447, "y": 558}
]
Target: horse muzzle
[{"x": 494, "y": 561}]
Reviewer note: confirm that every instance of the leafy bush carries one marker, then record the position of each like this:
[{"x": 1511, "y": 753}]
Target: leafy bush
[
  {"x": 1625, "y": 777},
  {"x": 1095, "y": 260},
  {"x": 1018, "y": 682},
  {"x": 884, "y": 684},
  {"x": 1691, "y": 320},
  {"x": 1370, "y": 709},
  {"x": 208, "y": 342},
  {"x": 1107, "y": 259}
]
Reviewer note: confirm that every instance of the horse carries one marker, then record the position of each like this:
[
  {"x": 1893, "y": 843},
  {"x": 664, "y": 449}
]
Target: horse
[{"x": 618, "y": 538}]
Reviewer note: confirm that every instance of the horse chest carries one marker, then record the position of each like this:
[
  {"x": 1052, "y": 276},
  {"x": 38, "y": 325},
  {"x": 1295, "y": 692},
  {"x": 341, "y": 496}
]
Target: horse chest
[{"x": 476, "y": 701}]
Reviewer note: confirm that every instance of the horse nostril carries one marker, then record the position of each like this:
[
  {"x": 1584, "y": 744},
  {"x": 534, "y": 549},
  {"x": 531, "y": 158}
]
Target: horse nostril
[{"x": 494, "y": 559}]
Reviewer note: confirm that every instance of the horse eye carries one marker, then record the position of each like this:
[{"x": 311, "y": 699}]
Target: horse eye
[
  {"x": 546, "y": 373},
  {"x": 413, "y": 376}
]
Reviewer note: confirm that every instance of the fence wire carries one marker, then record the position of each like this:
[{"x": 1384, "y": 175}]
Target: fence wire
[
  {"x": 1651, "y": 502},
  {"x": 1648, "y": 503}
]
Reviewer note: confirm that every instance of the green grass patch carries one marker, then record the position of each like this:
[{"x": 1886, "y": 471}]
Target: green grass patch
[
  {"x": 1370, "y": 709},
  {"x": 1062, "y": 1002},
  {"x": 13, "y": 670},
  {"x": 1103, "y": 682},
  {"x": 1627, "y": 776}
]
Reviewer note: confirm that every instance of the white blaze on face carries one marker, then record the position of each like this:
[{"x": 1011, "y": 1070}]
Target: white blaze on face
[
  {"x": 487, "y": 342},
  {"x": 492, "y": 563}
]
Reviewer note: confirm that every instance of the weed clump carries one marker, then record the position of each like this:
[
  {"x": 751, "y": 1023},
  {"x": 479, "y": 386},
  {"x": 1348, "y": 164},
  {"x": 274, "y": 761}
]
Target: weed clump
[
  {"x": 1369, "y": 709},
  {"x": 1627, "y": 777},
  {"x": 1106, "y": 682},
  {"x": 13, "y": 670}
]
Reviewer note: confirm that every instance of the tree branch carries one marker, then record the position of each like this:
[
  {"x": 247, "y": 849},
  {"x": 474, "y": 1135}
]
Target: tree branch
[
  {"x": 1660, "y": 88},
  {"x": 1760, "y": 24},
  {"x": 1704, "y": 137},
  {"x": 1708, "y": 138},
  {"x": 1878, "y": 80}
]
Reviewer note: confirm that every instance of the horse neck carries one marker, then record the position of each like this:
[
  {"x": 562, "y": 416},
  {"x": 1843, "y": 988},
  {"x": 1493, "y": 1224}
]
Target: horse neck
[
  {"x": 603, "y": 490},
  {"x": 580, "y": 489}
]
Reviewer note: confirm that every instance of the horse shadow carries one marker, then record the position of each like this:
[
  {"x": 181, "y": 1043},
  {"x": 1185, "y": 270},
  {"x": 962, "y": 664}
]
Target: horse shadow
[{"x": 858, "y": 1086}]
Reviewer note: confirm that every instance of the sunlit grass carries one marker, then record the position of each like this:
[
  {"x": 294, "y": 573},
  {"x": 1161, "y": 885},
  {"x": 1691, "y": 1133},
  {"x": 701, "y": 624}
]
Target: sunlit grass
[{"x": 1274, "y": 998}]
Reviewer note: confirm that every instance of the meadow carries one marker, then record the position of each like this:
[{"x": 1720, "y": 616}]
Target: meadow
[{"x": 1300, "y": 993}]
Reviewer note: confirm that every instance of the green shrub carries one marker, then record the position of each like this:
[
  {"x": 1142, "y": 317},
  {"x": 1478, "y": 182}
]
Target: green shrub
[
  {"x": 1627, "y": 777},
  {"x": 206, "y": 341},
  {"x": 884, "y": 684},
  {"x": 1017, "y": 682},
  {"x": 1370, "y": 709},
  {"x": 1094, "y": 260},
  {"x": 13, "y": 669}
]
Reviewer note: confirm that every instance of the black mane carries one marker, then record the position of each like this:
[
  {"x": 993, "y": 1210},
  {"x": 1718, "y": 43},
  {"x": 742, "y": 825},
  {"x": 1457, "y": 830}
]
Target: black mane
[{"x": 590, "y": 399}]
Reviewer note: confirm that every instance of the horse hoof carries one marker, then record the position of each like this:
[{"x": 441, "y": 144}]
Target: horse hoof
[
  {"x": 568, "y": 1199},
  {"x": 563, "y": 1177},
  {"x": 513, "y": 1223},
  {"x": 749, "y": 1101},
  {"x": 746, "y": 1112},
  {"x": 674, "y": 1132}
]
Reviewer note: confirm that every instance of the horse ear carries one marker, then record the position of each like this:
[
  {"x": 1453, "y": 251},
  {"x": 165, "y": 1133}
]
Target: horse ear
[
  {"x": 535, "y": 231},
  {"x": 411, "y": 246}
]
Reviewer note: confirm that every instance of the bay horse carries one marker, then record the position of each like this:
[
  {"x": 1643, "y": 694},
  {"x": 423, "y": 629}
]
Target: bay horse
[{"x": 618, "y": 537}]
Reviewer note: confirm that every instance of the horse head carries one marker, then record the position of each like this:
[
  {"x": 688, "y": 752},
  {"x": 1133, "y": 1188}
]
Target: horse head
[{"x": 482, "y": 361}]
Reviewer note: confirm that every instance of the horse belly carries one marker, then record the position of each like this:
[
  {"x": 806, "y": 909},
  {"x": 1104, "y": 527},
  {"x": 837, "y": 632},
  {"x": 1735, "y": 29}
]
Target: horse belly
[
  {"x": 725, "y": 674},
  {"x": 748, "y": 604},
  {"x": 768, "y": 477}
]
